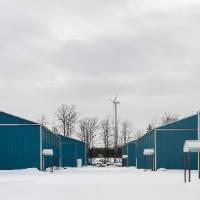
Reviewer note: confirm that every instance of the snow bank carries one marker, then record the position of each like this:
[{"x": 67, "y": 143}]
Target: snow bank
[{"x": 98, "y": 184}]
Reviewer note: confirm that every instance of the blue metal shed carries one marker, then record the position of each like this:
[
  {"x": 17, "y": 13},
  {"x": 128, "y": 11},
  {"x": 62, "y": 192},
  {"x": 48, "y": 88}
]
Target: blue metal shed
[
  {"x": 129, "y": 154},
  {"x": 167, "y": 141},
  {"x": 145, "y": 142},
  {"x": 22, "y": 143},
  {"x": 73, "y": 150}
]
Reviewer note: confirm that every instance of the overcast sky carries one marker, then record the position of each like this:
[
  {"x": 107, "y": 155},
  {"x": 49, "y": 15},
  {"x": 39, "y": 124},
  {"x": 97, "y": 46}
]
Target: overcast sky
[{"x": 82, "y": 51}]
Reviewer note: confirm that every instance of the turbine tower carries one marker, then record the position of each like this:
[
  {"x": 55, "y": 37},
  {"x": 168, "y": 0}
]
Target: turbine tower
[{"x": 115, "y": 103}]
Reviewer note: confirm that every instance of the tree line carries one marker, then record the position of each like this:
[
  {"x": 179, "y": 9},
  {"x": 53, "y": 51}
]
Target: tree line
[{"x": 98, "y": 134}]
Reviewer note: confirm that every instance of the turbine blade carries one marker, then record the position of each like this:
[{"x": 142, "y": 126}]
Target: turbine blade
[
  {"x": 111, "y": 100},
  {"x": 117, "y": 94}
]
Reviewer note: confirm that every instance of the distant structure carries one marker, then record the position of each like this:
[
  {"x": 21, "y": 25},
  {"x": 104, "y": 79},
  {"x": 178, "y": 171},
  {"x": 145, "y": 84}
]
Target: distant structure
[{"x": 115, "y": 103}]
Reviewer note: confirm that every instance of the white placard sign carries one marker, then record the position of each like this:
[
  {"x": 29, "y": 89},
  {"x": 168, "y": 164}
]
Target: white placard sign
[
  {"x": 47, "y": 152},
  {"x": 148, "y": 152}
]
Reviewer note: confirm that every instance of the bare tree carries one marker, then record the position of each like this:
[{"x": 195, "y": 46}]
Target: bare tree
[
  {"x": 149, "y": 128},
  {"x": 106, "y": 135},
  {"x": 43, "y": 120},
  {"x": 139, "y": 134},
  {"x": 169, "y": 117},
  {"x": 67, "y": 116},
  {"x": 88, "y": 128},
  {"x": 55, "y": 129},
  {"x": 126, "y": 130}
]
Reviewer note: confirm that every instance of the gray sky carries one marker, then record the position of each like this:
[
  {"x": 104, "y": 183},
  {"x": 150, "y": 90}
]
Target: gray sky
[{"x": 81, "y": 52}]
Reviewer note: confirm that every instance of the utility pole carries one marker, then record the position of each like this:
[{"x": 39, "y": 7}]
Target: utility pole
[{"x": 115, "y": 103}]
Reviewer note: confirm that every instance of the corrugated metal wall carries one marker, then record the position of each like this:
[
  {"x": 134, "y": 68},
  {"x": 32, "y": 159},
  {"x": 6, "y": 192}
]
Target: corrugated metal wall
[
  {"x": 170, "y": 142},
  {"x": 51, "y": 141},
  {"x": 71, "y": 151},
  {"x": 131, "y": 154},
  {"x": 19, "y": 147},
  {"x": 146, "y": 142},
  {"x": 130, "y": 150},
  {"x": 124, "y": 152}
]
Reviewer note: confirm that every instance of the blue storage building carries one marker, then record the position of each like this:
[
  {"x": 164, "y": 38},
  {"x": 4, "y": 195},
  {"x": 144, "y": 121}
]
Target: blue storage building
[
  {"x": 129, "y": 154},
  {"x": 168, "y": 141},
  {"x": 22, "y": 143},
  {"x": 72, "y": 151}
]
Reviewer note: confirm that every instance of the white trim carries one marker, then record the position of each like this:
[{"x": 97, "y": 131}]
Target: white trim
[
  {"x": 41, "y": 159},
  {"x": 85, "y": 154},
  {"x": 176, "y": 129},
  {"x": 136, "y": 154},
  {"x": 176, "y": 121},
  {"x": 155, "y": 147},
  {"x": 60, "y": 152},
  {"x": 19, "y": 124},
  {"x": 127, "y": 157}
]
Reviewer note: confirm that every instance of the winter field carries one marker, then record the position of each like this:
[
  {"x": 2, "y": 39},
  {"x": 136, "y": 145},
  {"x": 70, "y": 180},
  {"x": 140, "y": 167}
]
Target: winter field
[{"x": 96, "y": 184}]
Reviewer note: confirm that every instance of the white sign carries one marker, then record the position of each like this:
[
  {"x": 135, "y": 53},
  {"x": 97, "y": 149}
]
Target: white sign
[
  {"x": 191, "y": 146},
  {"x": 148, "y": 152},
  {"x": 47, "y": 152},
  {"x": 124, "y": 156}
]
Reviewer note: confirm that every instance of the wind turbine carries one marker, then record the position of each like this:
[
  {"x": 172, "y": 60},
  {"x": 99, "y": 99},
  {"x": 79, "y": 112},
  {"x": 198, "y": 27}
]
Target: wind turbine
[{"x": 115, "y": 103}]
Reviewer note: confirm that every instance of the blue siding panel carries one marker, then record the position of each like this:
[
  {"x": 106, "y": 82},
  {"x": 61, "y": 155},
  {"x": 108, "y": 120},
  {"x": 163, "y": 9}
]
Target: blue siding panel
[
  {"x": 124, "y": 152},
  {"x": 51, "y": 141},
  {"x": 69, "y": 154},
  {"x": 170, "y": 149},
  {"x": 146, "y": 142},
  {"x": 170, "y": 143},
  {"x": 187, "y": 123},
  {"x": 69, "y": 157},
  {"x": 129, "y": 149},
  {"x": 19, "y": 147},
  {"x": 131, "y": 154}
]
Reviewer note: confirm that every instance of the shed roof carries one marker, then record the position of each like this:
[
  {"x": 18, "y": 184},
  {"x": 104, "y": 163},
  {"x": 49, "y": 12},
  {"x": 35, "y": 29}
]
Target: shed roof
[{"x": 6, "y": 118}]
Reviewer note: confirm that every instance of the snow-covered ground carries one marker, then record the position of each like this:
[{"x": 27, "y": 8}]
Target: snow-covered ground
[{"x": 97, "y": 183}]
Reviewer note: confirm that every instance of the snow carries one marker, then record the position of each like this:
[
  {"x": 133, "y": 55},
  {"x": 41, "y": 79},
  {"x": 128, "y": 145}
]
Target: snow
[
  {"x": 192, "y": 146},
  {"x": 148, "y": 152},
  {"x": 97, "y": 183}
]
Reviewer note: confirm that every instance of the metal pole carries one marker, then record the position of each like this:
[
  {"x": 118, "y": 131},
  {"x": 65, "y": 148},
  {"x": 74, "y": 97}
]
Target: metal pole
[
  {"x": 184, "y": 157},
  {"x": 198, "y": 127},
  {"x": 145, "y": 162},
  {"x": 127, "y": 157},
  {"x": 155, "y": 149},
  {"x": 41, "y": 154},
  {"x": 116, "y": 132},
  {"x": 85, "y": 154},
  {"x": 189, "y": 167},
  {"x": 199, "y": 165}
]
